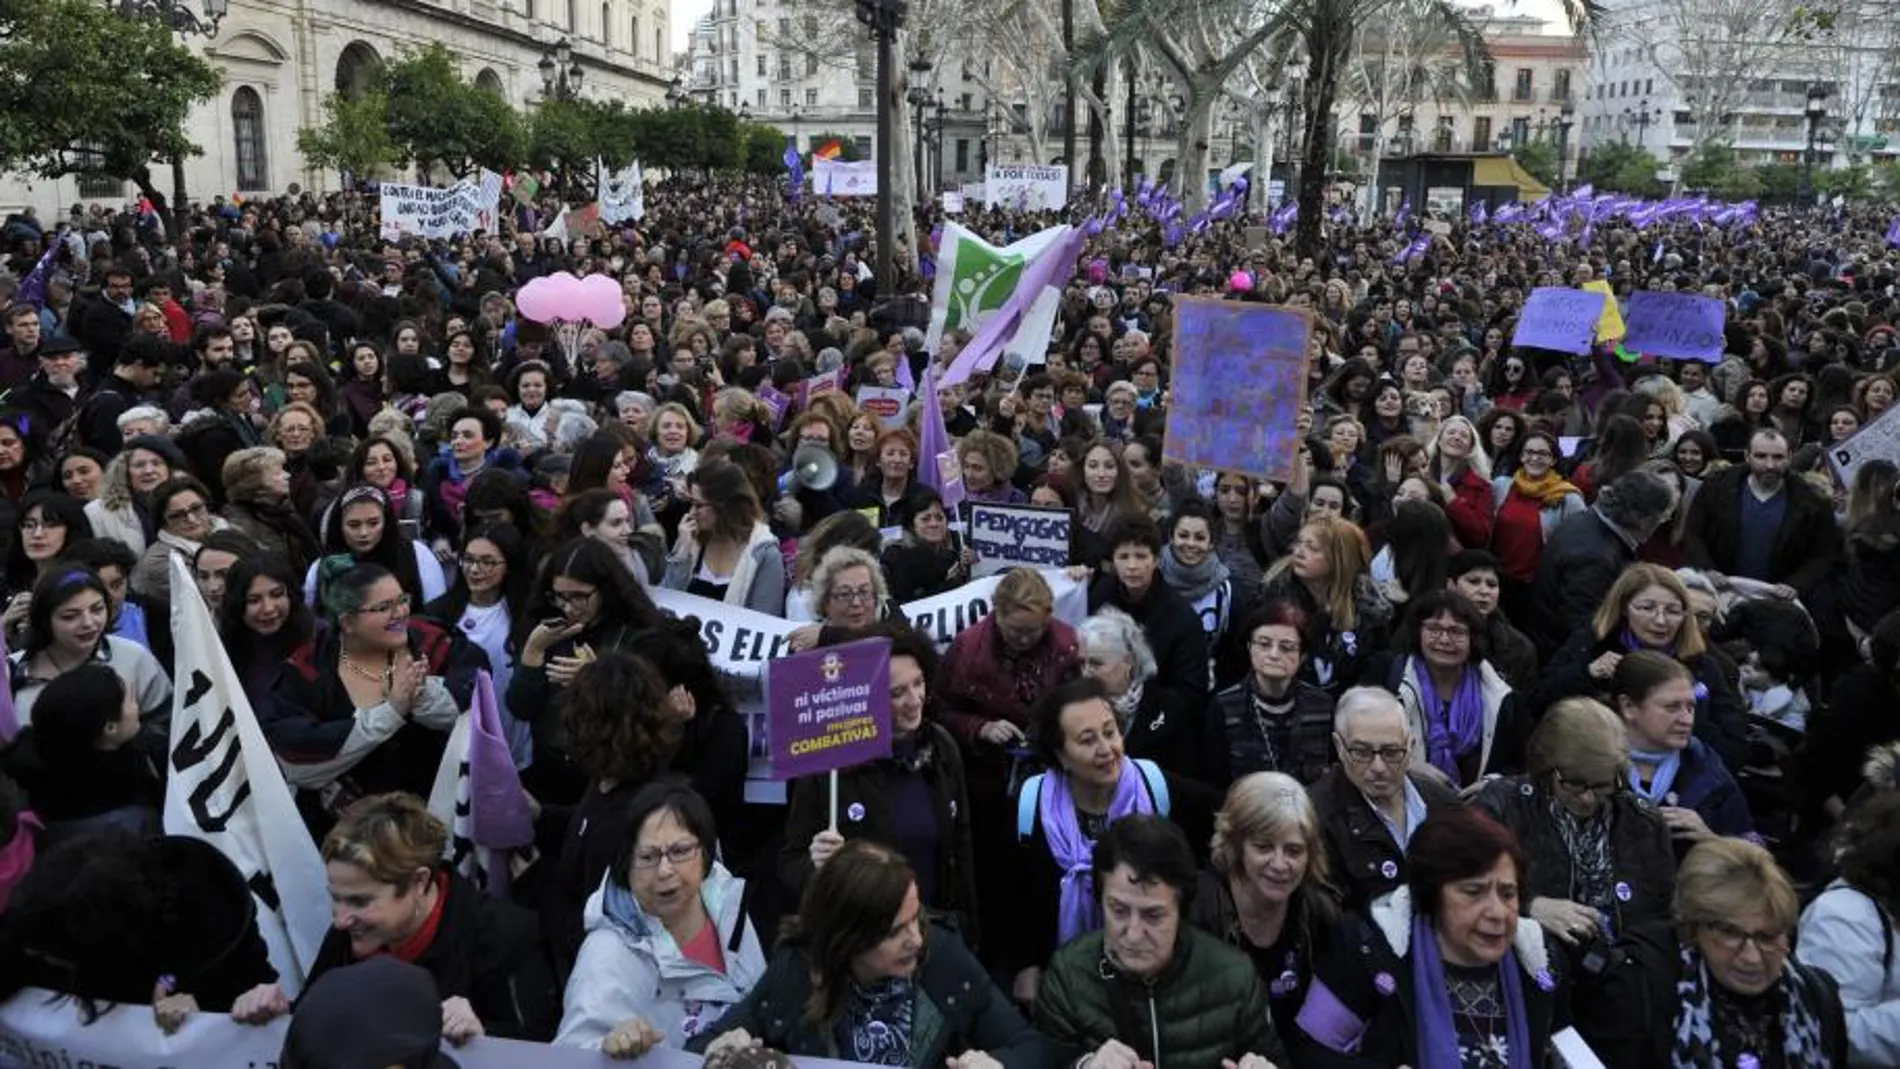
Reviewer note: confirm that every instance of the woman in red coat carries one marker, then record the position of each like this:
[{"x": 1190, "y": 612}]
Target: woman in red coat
[{"x": 1458, "y": 462}]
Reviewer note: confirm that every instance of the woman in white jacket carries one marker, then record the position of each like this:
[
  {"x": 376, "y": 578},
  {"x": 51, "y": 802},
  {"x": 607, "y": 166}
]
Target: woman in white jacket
[
  {"x": 668, "y": 948},
  {"x": 1849, "y": 930}
]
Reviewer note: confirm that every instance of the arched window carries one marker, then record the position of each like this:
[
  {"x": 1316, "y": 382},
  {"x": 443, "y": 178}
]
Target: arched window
[
  {"x": 247, "y": 130},
  {"x": 355, "y": 68}
]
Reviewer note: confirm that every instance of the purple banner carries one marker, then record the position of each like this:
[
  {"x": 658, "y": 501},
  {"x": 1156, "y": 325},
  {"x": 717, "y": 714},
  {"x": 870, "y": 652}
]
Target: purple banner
[
  {"x": 1685, "y": 326},
  {"x": 829, "y": 708},
  {"x": 1239, "y": 385},
  {"x": 1560, "y": 319}
]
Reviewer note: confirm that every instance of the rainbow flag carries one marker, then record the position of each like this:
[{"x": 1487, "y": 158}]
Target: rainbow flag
[{"x": 830, "y": 150}]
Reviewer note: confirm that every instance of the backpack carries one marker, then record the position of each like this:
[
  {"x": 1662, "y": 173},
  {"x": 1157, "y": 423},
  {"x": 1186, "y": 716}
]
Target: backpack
[{"x": 1031, "y": 795}]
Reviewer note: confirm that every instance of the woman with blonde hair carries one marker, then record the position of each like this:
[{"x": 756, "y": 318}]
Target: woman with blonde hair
[
  {"x": 988, "y": 461},
  {"x": 1327, "y": 574},
  {"x": 1456, "y": 458},
  {"x": 257, "y": 504},
  {"x": 1268, "y": 891},
  {"x": 1648, "y": 608}
]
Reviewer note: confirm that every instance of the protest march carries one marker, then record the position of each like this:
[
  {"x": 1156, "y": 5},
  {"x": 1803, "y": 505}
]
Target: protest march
[{"x": 517, "y": 623}]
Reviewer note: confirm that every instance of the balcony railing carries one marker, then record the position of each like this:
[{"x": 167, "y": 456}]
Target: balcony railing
[{"x": 1523, "y": 94}]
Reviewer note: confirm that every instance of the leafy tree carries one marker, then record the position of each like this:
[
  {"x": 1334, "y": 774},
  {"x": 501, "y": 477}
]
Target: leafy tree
[
  {"x": 354, "y": 136},
  {"x": 1712, "y": 168},
  {"x": 439, "y": 118},
  {"x": 84, "y": 91},
  {"x": 1539, "y": 160},
  {"x": 764, "y": 149},
  {"x": 1619, "y": 167},
  {"x": 566, "y": 137},
  {"x": 1780, "y": 182},
  {"x": 1855, "y": 183}
]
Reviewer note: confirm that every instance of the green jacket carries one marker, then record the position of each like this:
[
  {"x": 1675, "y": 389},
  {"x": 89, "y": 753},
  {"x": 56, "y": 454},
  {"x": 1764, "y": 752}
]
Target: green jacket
[{"x": 1206, "y": 1005}]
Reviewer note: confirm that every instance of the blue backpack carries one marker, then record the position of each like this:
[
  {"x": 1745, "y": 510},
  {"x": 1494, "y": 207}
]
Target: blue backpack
[{"x": 1031, "y": 795}]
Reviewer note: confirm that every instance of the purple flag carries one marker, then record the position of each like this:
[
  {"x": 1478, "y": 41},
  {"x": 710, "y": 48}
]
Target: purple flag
[
  {"x": 1479, "y": 213},
  {"x": 1405, "y": 212},
  {"x": 795, "y": 165},
  {"x": 9, "y": 718},
  {"x": 936, "y": 442},
  {"x": 33, "y": 287},
  {"x": 1051, "y": 267},
  {"x": 1893, "y": 233},
  {"x": 498, "y": 816}
]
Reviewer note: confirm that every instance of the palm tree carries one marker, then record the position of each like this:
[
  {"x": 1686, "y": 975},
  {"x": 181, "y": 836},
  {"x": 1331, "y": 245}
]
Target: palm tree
[{"x": 1424, "y": 50}]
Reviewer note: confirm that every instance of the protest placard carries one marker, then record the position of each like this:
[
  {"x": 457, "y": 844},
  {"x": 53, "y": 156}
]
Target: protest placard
[
  {"x": 886, "y": 403},
  {"x": 1685, "y": 326},
  {"x": 775, "y": 400},
  {"x": 427, "y": 212},
  {"x": 952, "y": 202},
  {"x": 1011, "y": 536},
  {"x": 1610, "y": 324},
  {"x": 829, "y": 708},
  {"x": 1561, "y": 319},
  {"x": 1239, "y": 385},
  {"x": 844, "y": 178},
  {"x": 1027, "y": 186},
  {"x": 824, "y": 382},
  {"x": 1879, "y": 440}
]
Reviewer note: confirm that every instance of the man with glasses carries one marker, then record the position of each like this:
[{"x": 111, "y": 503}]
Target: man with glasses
[{"x": 1370, "y": 803}]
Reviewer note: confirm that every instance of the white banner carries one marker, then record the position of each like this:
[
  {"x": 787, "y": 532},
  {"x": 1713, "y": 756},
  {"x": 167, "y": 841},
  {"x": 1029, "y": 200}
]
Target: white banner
[
  {"x": 1011, "y": 536},
  {"x": 976, "y": 278},
  {"x": 424, "y": 211},
  {"x": 1879, "y": 440},
  {"x": 1027, "y": 187},
  {"x": 838, "y": 178},
  {"x": 35, "y": 1031},
  {"x": 622, "y": 195},
  {"x": 952, "y": 202},
  {"x": 224, "y": 786},
  {"x": 489, "y": 197}
]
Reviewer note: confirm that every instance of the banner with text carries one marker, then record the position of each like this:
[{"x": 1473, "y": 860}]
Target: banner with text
[
  {"x": 842, "y": 178},
  {"x": 1683, "y": 326},
  {"x": 829, "y": 708},
  {"x": 1009, "y": 536},
  {"x": 1027, "y": 187},
  {"x": 428, "y": 212},
  {"x": 1558, "y": 318},
  {"x": 1879, "y": 440}
]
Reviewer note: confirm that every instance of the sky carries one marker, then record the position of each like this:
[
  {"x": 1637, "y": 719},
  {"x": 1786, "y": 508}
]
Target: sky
[{"x": 684, "y": 14}]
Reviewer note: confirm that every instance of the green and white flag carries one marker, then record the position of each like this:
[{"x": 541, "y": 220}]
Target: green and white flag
[{"x": 975, "y": 278}]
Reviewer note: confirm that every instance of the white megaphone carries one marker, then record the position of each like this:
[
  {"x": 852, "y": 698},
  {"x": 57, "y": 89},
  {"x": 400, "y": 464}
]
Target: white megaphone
[{"x": 814, "y": 468}]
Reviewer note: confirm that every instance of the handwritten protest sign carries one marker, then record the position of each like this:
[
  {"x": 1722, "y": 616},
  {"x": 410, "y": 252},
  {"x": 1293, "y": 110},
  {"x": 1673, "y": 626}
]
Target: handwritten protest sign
[
  {"x": 886, "y": 403},
  {"x": 829, "y": 708},
  {"x": 844, "y": 178},
  {"x": 1239, "y": 385},
  {"x": 1009, "y": 536},
  {"x": 427, "y": 212},
  {"x": 952, "y": 202},
  {"x": 1561, "y": 319},
  {"x": 1027, "y": 186},
  {"x": 1610, "y": 324},
  {"x": 1879, "y": 440},
  {"x": 1686, "y": 326}
]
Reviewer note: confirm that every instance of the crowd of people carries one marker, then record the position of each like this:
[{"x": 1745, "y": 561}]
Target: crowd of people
[{"x": 1546, "y": 693}]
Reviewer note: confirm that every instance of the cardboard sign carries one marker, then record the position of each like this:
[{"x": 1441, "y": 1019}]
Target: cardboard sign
[
  {"x": 829, "y": 708},
  {"x": 1239, "y": 386},
  {"x": 817, "y": 384},
  {"x": 1685, "y": 326},
  {"x": 952, "y": 202},
  {"x": 1027, "y": 187},
  {"x": 884, "y": 402},
  {"x": 1879, "y": 440},
  {"x": 1558, "y": 318},
  {"x": 1011, "y": 536}
]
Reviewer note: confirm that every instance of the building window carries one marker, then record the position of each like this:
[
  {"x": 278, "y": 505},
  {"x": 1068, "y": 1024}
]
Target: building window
[
  {"x": 866, "y": 98},
  {"x": 1481, "y": 134},
  {"x": 963, "y": 101},
  {"x": 784, "y": 98},
  {"x": 732, "y": 100},
  {"x": 762, "y": 63},
  {"x": 247, "y": 128},
  {"x": 784, "y": 29},
  {"x": 1521, "y": 89},
  {"x": 95, "y": 185},
  {"x": 573, "y": 16},
  {"x": 811, "y": 64},
  {"x": 1649, "y": 85},
  {"x": 761, "y": 100},
  {"x": 659, "y": 45},
  {"x": 1520, "y": 132},
  {"x": 811, "y": 98},
  {"x": 867, "y": 146},
  {"x": 963, "y": 155},
  {"x": 1562, "y": 92},
  {"x": 607, "y": 27},
  {"x": 867, "y": 64}
]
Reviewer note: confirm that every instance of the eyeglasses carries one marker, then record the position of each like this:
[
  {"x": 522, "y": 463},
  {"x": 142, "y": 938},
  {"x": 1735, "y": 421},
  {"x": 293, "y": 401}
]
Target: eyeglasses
[
  {"x": 1657, "y": 609},
  {"x": 1580, "y": 788},
  {"x": 852, "y": 595},
  {"x": 1732, "y": 939},
  {"x": 36, "y": 526},
  {"x": 1362, "y": 755},
  {"x": 678, "y": 854},
  {"x": 395, "y": 604},
  {"x": 482, "y": 564},
  {"x": 190, "y": 512},
  {"x": 566, "y": 598},
  {"x": 1449, "y": 632},
  {"x": 1534, "y": 454}
]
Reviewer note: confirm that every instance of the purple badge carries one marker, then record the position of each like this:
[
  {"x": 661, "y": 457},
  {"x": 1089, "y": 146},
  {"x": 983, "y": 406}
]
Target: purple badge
[
  {"x": 1385, "y": 984},
  {"x": 1390, "y": 870},
  {"x": 1284, "y": 984},
  {"x": 1701, "y": 691},
  {"x": 1545, "y": 982},
  {"x": 1622, "y": 891}
]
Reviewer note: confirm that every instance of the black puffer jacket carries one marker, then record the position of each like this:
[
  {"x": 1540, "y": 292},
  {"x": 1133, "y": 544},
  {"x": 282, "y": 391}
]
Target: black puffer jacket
[
  {"x": 1581, "y": 561},
  {"x": 1366, "y": 860}
]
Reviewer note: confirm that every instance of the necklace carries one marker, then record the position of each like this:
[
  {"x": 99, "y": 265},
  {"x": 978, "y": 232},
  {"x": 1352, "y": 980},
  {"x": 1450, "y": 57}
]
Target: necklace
[{"x": 382, "y": 677}]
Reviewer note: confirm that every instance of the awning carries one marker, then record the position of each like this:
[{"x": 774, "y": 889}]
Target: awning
[{"x": 1494, "y": 171}]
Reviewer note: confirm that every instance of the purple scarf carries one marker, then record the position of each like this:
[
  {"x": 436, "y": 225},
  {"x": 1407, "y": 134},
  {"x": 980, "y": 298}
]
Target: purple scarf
[
  {"x": 1074, "y": 853},
  {"x": 1437, "y": 1032},
  {"x": 1449, "y": 736},
  {"x": 1632, "y": 644}
]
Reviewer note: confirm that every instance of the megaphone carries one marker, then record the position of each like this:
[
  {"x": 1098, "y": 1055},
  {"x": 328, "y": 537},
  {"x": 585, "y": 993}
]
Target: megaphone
[{"x": 814, "y": 468}]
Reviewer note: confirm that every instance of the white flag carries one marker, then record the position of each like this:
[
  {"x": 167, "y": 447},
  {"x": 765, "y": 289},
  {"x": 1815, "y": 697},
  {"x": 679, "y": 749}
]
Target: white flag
[
  {"x": 622, "y": 195},
  {"x": 224, "y": 787},
  {"x": 975, "y": 278}
]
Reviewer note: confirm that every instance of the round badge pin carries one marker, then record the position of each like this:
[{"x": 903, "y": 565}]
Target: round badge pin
[
  {"x": 1390, "y": 870},
  {"x": 855, "y": 811},
  {"x": 1622, "y": 892}
]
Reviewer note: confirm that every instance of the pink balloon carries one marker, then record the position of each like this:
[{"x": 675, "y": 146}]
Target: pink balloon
[
  {"x": 600, "y": 298},
  {"x": 537, "y": 300},
  {"x": 1241, "y": 282}
]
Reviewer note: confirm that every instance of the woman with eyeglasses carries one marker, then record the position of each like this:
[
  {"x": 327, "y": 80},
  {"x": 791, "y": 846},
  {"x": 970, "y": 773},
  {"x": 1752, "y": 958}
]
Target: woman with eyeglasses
[
  {"x": 1462, "y": 714},
  {"x": 1601, "y": 863},
  {"x": 848, "y": 594},
  {"x": 491, "y": 583},
  {"x": 1648, "y": 608},
  {"x": 725, "y": 549},
  {"x": 49, "y": 523},
  {"x": 1529, "y": 506},
  {"x": 364, "y": 706},
  {"x": 121, "y": 510},
  {"x": 1273, "y": 721},
  {"x": 182, "y": 507}
]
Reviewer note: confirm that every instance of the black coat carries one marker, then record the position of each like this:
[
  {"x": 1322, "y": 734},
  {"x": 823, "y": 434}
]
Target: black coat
[
  {"x": 1179, "y": 734},
  {"x": 1233, "y": 723},
  {"x": 1365, "y": 859},
  {"x": 1641, "y": 853},
  {"x": 1721, "y": 718},
  {"x": 1806, "y": 546},
  {"x": 1581, "y": 561},
  {"x": 485, "y": 950},
  {"x": 1173, "y": 629}
]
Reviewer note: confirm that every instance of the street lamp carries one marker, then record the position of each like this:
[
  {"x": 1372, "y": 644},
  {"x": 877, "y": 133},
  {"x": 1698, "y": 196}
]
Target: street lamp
[
  {"x": 1565, "y": 120},
  {"x": 177, "y": 14},
  {"x": 1641, "y": 118},
  {"x": 884, "y": 18},
  {"x": 919, "y": 98},
  {"x": 1816, "y": 111},
  {"x": 561, "y": 72},
  {"x": 676, "y": 94}
]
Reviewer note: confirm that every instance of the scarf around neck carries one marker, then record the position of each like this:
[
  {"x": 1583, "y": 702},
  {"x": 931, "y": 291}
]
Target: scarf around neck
[
  {"x": 1453, "y": 733},
  {"x": 1697, "y": 1046},
  {"x": 1548, "y": 491},
  {"x": 1074, "y": 852},
  {"x": 1667, "y": 764},
  {"x": 876, "y": 1026},
  {"x": 1437, "y": 1030},
  {"x": 1192, "y": 583}
]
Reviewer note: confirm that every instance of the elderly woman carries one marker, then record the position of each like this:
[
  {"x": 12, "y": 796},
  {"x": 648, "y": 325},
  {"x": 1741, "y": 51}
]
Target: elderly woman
[
  {"x": 1444, "y": 975},
  {"x": 916, "y": 801},
  {"x": 257, "y": 504},
  {"x": 669, "y": 947},
  {"x": 1601, "y": 863},
  {"x": 1273, "y": 721},
  {"x": 988, "y": 462},
  {"x": 1669, "y": 766},
  {"x": 120, "y": 509},
  {"x": 862, "y": 974},
  {"x": 393, "y": 893},
  {"x": 1156, "y": 721},
  {"x": 182, "y": 507},
  {"x": 725, "y": 550},
  {"x": 1647, "y": 608},
  {"x": 1090, "y": 784},
  {"x": 1463, "y": 714},
  {"x": 1326, "y": 575},
  {"x": 1268, "y": 891},
  {"x": 1847, "y": 932},
  {"x": 848, "y": 593}
]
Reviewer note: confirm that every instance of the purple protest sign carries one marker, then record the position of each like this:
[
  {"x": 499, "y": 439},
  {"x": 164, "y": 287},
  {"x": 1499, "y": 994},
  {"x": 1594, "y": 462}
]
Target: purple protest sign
[
  {"x": 1686, "y": 326},
  {"x": 1239, "y": 384},
  {"x": 778, "y": 402},
  {"x": 829, "y": 708},
  {"x": 1561, "y": 319}
]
